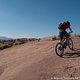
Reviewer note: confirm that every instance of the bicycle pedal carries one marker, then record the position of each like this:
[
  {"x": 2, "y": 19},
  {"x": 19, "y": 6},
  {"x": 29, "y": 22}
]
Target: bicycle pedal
[{"x": 64, "y": 46}]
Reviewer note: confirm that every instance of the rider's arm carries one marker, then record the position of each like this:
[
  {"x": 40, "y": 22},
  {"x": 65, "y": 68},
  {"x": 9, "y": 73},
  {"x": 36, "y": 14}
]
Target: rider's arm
[{"x": 70, "y": 29}]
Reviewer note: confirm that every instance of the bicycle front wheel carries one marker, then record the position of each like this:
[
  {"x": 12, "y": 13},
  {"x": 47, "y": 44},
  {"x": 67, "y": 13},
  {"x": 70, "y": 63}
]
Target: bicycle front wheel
[{"x": 59, "y": 49}]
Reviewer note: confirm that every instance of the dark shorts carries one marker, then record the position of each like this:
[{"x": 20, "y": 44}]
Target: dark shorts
[{"x": 63, "y": 33}]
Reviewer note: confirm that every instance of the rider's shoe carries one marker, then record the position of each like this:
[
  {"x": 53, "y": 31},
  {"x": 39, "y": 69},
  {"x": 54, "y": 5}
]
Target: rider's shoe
[{"x": 65, "y": 47}]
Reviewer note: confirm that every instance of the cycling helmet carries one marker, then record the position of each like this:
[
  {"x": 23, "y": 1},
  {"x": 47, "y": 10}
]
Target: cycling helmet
[{"x": 68, "y": 23}]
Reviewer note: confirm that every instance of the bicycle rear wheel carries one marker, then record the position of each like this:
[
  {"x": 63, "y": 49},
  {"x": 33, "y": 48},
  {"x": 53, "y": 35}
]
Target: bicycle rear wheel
[
  {"x": 70, "y": 45},
  {"x": 59, "y": 49}
]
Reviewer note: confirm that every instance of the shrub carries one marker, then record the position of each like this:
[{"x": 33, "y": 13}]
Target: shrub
[
  {"x": 5, "y": 46},
  {"x": 54, "y": 38}
]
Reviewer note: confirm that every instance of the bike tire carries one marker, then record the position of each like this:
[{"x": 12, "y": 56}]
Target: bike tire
[
  {"x": 71, "y": 44},
  {"x": 57, "y": 49}
]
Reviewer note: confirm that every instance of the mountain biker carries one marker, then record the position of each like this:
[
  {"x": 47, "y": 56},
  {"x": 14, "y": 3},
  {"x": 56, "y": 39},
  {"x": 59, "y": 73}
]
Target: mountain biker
[{"x": 62, "y": 30}]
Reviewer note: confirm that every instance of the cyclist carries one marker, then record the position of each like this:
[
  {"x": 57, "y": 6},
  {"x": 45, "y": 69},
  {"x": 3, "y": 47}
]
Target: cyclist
[{"x": 62, "y": 30}]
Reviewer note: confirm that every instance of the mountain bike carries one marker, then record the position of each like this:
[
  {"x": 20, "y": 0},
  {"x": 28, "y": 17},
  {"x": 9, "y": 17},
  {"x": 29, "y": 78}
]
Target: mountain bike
[{"x": 62, "y": 45}]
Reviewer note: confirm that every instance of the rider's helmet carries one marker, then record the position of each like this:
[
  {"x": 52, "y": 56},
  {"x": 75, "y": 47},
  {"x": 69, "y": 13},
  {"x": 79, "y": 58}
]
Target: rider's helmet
[{"x": 68, "y": 23}]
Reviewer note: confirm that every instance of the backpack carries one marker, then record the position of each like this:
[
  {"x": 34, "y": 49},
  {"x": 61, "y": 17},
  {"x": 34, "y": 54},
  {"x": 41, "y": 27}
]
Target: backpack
[{"x": 60, "y": 26}]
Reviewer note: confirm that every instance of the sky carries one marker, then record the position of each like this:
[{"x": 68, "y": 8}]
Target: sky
[{"x": 37, "y": 18}]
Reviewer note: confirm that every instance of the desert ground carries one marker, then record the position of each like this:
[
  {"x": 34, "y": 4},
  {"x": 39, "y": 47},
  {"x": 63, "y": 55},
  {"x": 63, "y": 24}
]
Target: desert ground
[{"x": 38, "y": 61}]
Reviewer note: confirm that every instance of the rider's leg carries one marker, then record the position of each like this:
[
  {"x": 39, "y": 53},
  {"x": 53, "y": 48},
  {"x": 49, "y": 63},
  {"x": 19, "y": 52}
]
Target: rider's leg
[
  {"x": 61, "y": 35},
  {"x": 67, "y": 37}
]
